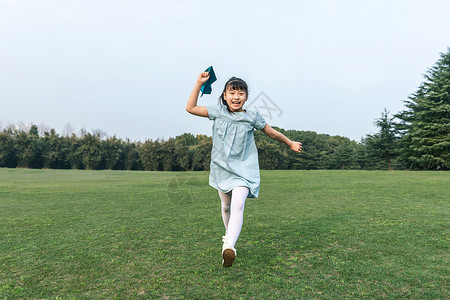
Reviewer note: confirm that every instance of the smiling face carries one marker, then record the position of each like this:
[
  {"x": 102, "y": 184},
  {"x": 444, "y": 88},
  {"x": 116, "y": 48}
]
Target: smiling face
[{"x": 235, "y": 98}]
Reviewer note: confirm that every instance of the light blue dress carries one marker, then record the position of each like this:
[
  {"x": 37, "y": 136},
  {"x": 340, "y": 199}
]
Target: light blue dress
[{"x": 234, "y": 157}]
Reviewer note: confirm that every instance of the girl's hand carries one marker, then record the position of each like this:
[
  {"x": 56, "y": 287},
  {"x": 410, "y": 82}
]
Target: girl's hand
[
  {"x": 296, "y": 146},
  {"x": 203, "y": 77}
]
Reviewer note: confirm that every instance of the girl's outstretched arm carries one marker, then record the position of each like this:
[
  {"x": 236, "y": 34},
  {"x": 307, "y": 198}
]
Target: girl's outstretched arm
[
  {"x": 191, "y": 106},
  {"x": 276, "y": 135}
]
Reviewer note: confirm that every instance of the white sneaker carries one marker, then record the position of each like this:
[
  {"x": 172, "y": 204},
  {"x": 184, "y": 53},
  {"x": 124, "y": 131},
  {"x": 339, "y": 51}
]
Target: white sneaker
[{"x": 228, "y": 255}]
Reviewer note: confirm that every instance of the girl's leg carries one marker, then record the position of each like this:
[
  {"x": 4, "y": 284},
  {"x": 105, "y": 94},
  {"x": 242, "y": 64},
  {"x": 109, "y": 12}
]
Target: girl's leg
[
  {"x": 226, "y": 200},
  {"x": 238, "y": 197}
]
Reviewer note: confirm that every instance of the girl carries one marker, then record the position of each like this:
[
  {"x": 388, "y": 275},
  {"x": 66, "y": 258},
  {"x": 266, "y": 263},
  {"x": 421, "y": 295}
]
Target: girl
[{"x": 234, "y": 157}]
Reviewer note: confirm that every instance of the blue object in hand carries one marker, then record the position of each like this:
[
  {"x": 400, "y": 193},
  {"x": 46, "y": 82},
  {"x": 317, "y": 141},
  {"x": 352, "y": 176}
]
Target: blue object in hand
[{"x": 206, "y": 87}]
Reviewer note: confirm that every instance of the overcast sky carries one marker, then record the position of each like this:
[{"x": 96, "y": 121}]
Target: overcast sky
[{"x": 128, "y": 67}]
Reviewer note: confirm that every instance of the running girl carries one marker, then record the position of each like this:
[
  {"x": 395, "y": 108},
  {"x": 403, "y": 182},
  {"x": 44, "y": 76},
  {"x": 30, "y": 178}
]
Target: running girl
[{"x": 234, "y": 157}]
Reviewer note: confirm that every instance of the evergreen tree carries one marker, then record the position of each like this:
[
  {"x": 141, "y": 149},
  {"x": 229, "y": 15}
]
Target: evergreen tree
[
  {"x": 344, "y": 154},
  {"x": 383, "y": 144},
  {"x": 363, "y": 160},
  {"x": 425, "y": 124}
]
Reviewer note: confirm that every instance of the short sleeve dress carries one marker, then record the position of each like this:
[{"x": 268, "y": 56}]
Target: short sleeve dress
[{"x": 234, "y": 157}]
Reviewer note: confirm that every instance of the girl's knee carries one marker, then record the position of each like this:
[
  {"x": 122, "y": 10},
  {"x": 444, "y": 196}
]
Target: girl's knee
[
  {"x": 238, "y": 204},
  {"x": 225, "y": 207}
]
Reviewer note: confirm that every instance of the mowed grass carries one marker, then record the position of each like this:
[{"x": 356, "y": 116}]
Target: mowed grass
[{"x": 310, "y": 235}]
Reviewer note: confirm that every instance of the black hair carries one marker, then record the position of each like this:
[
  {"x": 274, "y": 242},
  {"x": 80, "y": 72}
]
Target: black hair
[{"x": 233, "y": 83}]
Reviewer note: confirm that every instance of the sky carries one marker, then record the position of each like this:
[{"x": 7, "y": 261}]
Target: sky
[{"x": 127, "y": 67}]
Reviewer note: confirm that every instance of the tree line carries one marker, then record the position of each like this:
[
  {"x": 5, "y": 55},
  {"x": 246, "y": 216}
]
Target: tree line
[
  {"x": 415, "y": 138},
  {"x": 186, "y": 152}
]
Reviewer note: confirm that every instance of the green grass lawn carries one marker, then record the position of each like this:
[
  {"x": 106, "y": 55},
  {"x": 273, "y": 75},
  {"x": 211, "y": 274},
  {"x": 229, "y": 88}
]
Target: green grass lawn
[{"x": 310, "y": 235}]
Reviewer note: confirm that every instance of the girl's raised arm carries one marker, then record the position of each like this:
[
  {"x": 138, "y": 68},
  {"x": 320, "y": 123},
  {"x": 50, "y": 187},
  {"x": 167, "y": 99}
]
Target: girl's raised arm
[
  {"x": 276, "y": 135},
  {"x": 191, "y": 106}
]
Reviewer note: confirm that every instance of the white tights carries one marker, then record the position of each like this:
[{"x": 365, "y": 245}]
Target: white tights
[{"x": 233, "y": 212}]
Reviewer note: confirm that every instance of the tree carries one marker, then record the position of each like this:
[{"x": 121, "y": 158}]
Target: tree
[
  {"x": 131, "y": 156},
  {"x": 182, "y": 158},
  {"x": 7, "y": 156},
  {"x": 54, "y": 150},
  {"x": 344, "y": 154},
  {"x": 313, "y": 153},
  {"x": 150, "y": 155},
  {"x": 28, "y": 148},
  {"x": 425, "y": 124},
  {"x": 112, "y": 149},
  {"x": 201, "y": 159},
  {"x": 187, "y": 139},
  {"x": 270, "y": 156},
  {"x": 90, "y": 151},
  {"x": 383, "y": 144},
  {"x": 363, "y": 160},
  {"x": 74, "y": 157},
  {"x": 168, "y": 154}
]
